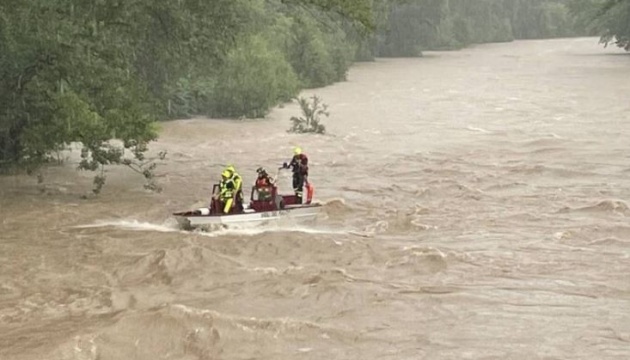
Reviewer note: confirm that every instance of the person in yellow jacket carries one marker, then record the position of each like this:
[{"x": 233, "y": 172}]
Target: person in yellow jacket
[
  {"x": 238, "y": 184},
  {"x": 227, "y": 191}
]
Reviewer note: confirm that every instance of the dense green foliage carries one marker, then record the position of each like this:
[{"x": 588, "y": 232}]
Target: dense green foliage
[
  {"x": 608, "y": 18},
  {"x": 90, "y": 72},
  {"x": 82, "y": 72}
]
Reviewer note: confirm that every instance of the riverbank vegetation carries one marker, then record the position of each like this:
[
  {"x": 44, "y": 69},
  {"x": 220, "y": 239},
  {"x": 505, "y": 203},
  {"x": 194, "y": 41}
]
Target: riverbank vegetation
[
  {"x": 88, "y": 72},
  {"x": 610, "y": 19}
]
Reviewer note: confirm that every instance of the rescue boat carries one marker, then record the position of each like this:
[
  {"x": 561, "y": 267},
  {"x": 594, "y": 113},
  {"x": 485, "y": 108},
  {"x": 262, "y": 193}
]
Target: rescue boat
[{"x": 263, "y": 207}]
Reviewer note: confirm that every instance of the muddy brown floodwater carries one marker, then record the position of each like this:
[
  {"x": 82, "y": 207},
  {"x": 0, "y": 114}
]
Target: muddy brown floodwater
[{"x": 476, "y": 207}]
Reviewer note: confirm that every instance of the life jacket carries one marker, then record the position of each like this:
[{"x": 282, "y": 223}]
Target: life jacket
[
  {"x": 227, "y": 188},
  {"x": 238, "y": 183},
  {"x": 263, "y": 182},
  {"x": 236, "y": 178}
]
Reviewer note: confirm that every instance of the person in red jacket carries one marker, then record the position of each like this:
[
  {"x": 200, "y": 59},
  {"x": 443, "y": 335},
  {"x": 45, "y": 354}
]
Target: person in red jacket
[
  {"x": 299, "y": 165},
  {"x": 263, "y": 185}
]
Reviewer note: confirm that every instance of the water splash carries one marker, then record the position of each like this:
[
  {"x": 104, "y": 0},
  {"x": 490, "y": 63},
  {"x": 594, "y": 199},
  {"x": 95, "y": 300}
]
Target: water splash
[
  {"x": 132, "y": 225},
  {"x": 240, "y": 230},
  {"x": 233, "y": 230}
]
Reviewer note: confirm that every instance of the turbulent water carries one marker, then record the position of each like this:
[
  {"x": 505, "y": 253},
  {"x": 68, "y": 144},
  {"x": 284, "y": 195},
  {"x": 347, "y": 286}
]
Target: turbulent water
[{"x": 476, "y": 207}]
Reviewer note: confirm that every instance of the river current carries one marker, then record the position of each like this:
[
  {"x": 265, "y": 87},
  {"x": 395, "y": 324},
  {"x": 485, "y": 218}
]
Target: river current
[{"x": 475, "y": 207}]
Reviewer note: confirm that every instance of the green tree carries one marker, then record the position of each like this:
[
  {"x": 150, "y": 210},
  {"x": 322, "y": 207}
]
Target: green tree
[
  {"x": 253, "y": 80},
  {"x": 358, "y": 11},
  {"x": 90, "y": 72},
  {"x": 612, "y": 22}
]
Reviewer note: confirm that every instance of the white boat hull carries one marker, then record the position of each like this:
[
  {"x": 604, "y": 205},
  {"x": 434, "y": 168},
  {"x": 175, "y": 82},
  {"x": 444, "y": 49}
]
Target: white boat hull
[{"x": 301, "y": 212}]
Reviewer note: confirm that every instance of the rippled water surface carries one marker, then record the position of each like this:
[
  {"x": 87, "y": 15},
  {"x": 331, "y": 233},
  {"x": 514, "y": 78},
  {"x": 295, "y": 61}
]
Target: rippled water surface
[{"x": 476, "y": 207}]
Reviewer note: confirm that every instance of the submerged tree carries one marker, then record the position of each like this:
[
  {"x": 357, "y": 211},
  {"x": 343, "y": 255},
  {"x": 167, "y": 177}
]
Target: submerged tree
[{"x": 310, "y": 121}]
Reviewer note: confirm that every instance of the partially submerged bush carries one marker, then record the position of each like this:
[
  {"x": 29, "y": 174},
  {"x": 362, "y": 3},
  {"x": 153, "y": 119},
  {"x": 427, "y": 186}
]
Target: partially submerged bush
[{"x": 310, "y": 122}]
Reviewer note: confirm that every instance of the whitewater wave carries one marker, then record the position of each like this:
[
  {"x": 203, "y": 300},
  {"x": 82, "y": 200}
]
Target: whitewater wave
[
  {"x": 618, "y": 207},
  {"x": 265, "y": 229},
  {"x": 478, "y": 129},
  {"x": 132, "y": 225},
  {"x": 233, "y": 230},
  {"x": 611, "y": 242}
]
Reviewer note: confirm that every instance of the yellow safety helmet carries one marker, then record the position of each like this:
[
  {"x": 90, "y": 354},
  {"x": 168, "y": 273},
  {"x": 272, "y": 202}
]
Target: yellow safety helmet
[
  {"x": 230, "y": 168},
  {"x": 226, "y": 174},
  {"x": 297, "y": 150}
]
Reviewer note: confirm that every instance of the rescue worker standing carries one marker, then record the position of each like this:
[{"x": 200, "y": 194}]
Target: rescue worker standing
[
  {"x": 263, "y": 185},
  {"x": 227, "y": 190},
  {"x": 238, "y": 184},
  {"x": 299, "y": 166}
]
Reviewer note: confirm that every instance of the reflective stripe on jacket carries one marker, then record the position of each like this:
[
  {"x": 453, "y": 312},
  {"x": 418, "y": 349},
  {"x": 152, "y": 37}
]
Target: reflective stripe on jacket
[
  {"x": 237, "y": 180},
  {"x": 227, "y": 189}
]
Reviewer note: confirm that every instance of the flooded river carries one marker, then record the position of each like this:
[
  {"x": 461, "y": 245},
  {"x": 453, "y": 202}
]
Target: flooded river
[{"x": 476, "y": 207}]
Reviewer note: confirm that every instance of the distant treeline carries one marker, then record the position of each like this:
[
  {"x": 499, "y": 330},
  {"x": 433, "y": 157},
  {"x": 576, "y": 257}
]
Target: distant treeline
[
  {"x": 91, "y": 71},
  {"x": 412, "y": 26}
]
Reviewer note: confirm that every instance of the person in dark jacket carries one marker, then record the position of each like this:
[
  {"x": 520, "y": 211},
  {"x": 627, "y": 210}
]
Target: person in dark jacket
[{"x": 299, "y": 166}]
